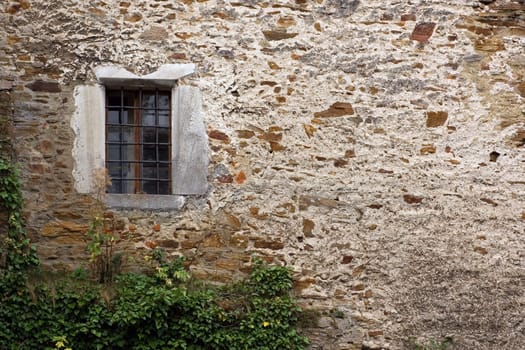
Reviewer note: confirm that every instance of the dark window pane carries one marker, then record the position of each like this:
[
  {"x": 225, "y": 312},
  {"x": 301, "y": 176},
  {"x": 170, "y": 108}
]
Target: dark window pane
[
  {"x": 129, "y": 98},
  {"x": 164, "y": 187},
  {"x": 113, "y": 133},
  {"x": 113, "y": 116},
  {"x": 149, "y": 171},
  {"x": 148, "y": 117},
  {"x": 116, "y": 187},
  {"x": 149, "y": 186},
  {"x": 164, "y": 171},
  {"x": 164, "y": 118},
  {"x": 148, "y": 135},
  {"x": 113, "y": 98},
  {"x": 128, "y": 134},
  {"x": 128, "y": 152},
  {"x": 164, "y": 135},
  {"x": 148, "y": 100},
  {"x": 114, "y": 152},
  {"x": 163, "y": 152},
  {"x": 128, "y": 186},
  {"x": 114, "y": 170},
  {"x": 128, "y": 117},
  {"x": 149, "y": 152},
  {"x": 164, "y": 101}
]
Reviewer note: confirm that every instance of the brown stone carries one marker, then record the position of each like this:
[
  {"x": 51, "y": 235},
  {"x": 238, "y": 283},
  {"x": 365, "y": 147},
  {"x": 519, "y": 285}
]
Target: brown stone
[
  {"x": 278, "y": 34},
  {"x": 338, "y": 109},
  {"x": 491, "y": 44},
  {"x": 376, "y": 333},
  {"x": 306, "y": 201},
  {"x": 309, "y": 130},
  {"x": 428, "y": 149},
  {"x": 155, "y": 33},
  {"x": 167, "y": 243},
  {"x": 481, "y": 250},
  {"x": 435, "y": 119},
  {"x": 303, "y": 283},
  {"x": 245, "y": 134},
  {"x": 521, "y": 88},
  {"x": 233, "y": 221},
  {"x": 375, "y": 206},
  {"x": 276, "y": 146},
  {"x": 239, "y": 241},
  {"x": 411, "y": 199},
  {"x": 273, "y": 245},
  {"x": 347, "y": 259},
  {"x": 271, "y": 136},
  {"x": 44, "y": 86},
  {"x": 213, "y": 241},
  {"x": 225, "y": 179},
  {"x": 308, "y": 227},
  {"x": 318, "y": 27},
  {"x": 340, "y": 163},
  {"x": 350, "y": 153},
  {"x": 489, "y": 201},
  {"x": 56, "y": 228},
  {"x": 134, "y": 17},
  {"x": 423, "y": 31},
  {"x": 408, "y": 17},
  {"x": 286, "y": 21},
  {"x": 227, "y": 264},
  {"x": 358, "y": 287},
  {"x": 218, "y": 135}
]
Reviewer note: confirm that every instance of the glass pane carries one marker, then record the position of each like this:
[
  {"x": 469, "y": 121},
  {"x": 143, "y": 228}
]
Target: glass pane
[
  {"x": 149, "y": 186},
  {"x": 128, "y": 186},
  {"x": 113, "y": 98},
  {"x": 163, "y": 152},
  {"x": 164, "y": 171},
  {"x": 149, "y": 171},
  {"x": 114, "y": 152},
  {"x": 148, "y": 135},
  {"x": 128, "y": 116},
  {"x": 113, "y": 133},
  {"x": 129, "y": 98},
  {"x": 148, "y": 117},
  {"x": 128, "y": 134},
  {"x": 149, "y": 152},
  {"x": 113, "y": 116},
  {"x": 116, "y": 187},
  {"x": 164, "y": 187},
  {"x": 164, "y": 118},
  {"x": 164, "y": 101},
  {"x": 148, "y": 100},
  {"x": 114, "y": 171},
  {"x": 128, "y": 152},
  {"x": 164, "y": 135}
]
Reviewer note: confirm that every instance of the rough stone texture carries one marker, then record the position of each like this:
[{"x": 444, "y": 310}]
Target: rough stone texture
[{"x": 397, "y": 222}]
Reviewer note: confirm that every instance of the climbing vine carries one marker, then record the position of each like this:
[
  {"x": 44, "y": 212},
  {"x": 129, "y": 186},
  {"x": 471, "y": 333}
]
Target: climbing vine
[{"x": 16, "y": 252}]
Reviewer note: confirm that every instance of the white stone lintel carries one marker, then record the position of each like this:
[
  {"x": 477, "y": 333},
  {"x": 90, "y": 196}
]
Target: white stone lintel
[{"x": 166, "y": 75}]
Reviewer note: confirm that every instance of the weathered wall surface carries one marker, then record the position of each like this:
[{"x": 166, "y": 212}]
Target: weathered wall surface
[{"x": 375, "y": 146}]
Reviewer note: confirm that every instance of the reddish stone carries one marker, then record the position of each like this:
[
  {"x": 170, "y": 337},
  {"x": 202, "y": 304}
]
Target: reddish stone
[
  {"x": 156, "y": 228},
  {"x": 423, "y": 31},
  {"x": 240, "y": 177},
  {"x": 225, "y": 179}
]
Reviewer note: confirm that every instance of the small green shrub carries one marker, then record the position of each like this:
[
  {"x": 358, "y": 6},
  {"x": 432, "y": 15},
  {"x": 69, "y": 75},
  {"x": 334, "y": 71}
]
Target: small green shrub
[{"x": 141, "y": 311}]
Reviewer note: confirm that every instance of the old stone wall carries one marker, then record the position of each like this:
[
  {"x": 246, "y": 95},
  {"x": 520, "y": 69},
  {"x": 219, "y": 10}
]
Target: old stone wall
[{"x": 376, "y": 147}]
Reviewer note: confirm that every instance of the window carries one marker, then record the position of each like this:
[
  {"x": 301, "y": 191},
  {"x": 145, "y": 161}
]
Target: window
[
  {"x": 150, "y": 135},
  {"x": 138, "y": 141}
]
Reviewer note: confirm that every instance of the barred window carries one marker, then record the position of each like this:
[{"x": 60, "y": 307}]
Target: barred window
[{"x": 138, "y": 141}]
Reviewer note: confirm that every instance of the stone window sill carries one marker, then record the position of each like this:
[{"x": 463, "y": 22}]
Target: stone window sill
[{"x": 144, "y": 201}]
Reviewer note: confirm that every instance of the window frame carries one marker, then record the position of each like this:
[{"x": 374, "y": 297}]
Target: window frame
[{"x": 138, "y": 125}]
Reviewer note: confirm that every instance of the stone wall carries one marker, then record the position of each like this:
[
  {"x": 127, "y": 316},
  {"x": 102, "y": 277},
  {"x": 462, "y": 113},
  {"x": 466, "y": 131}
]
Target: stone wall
[{"x": 376, "y": 147}]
